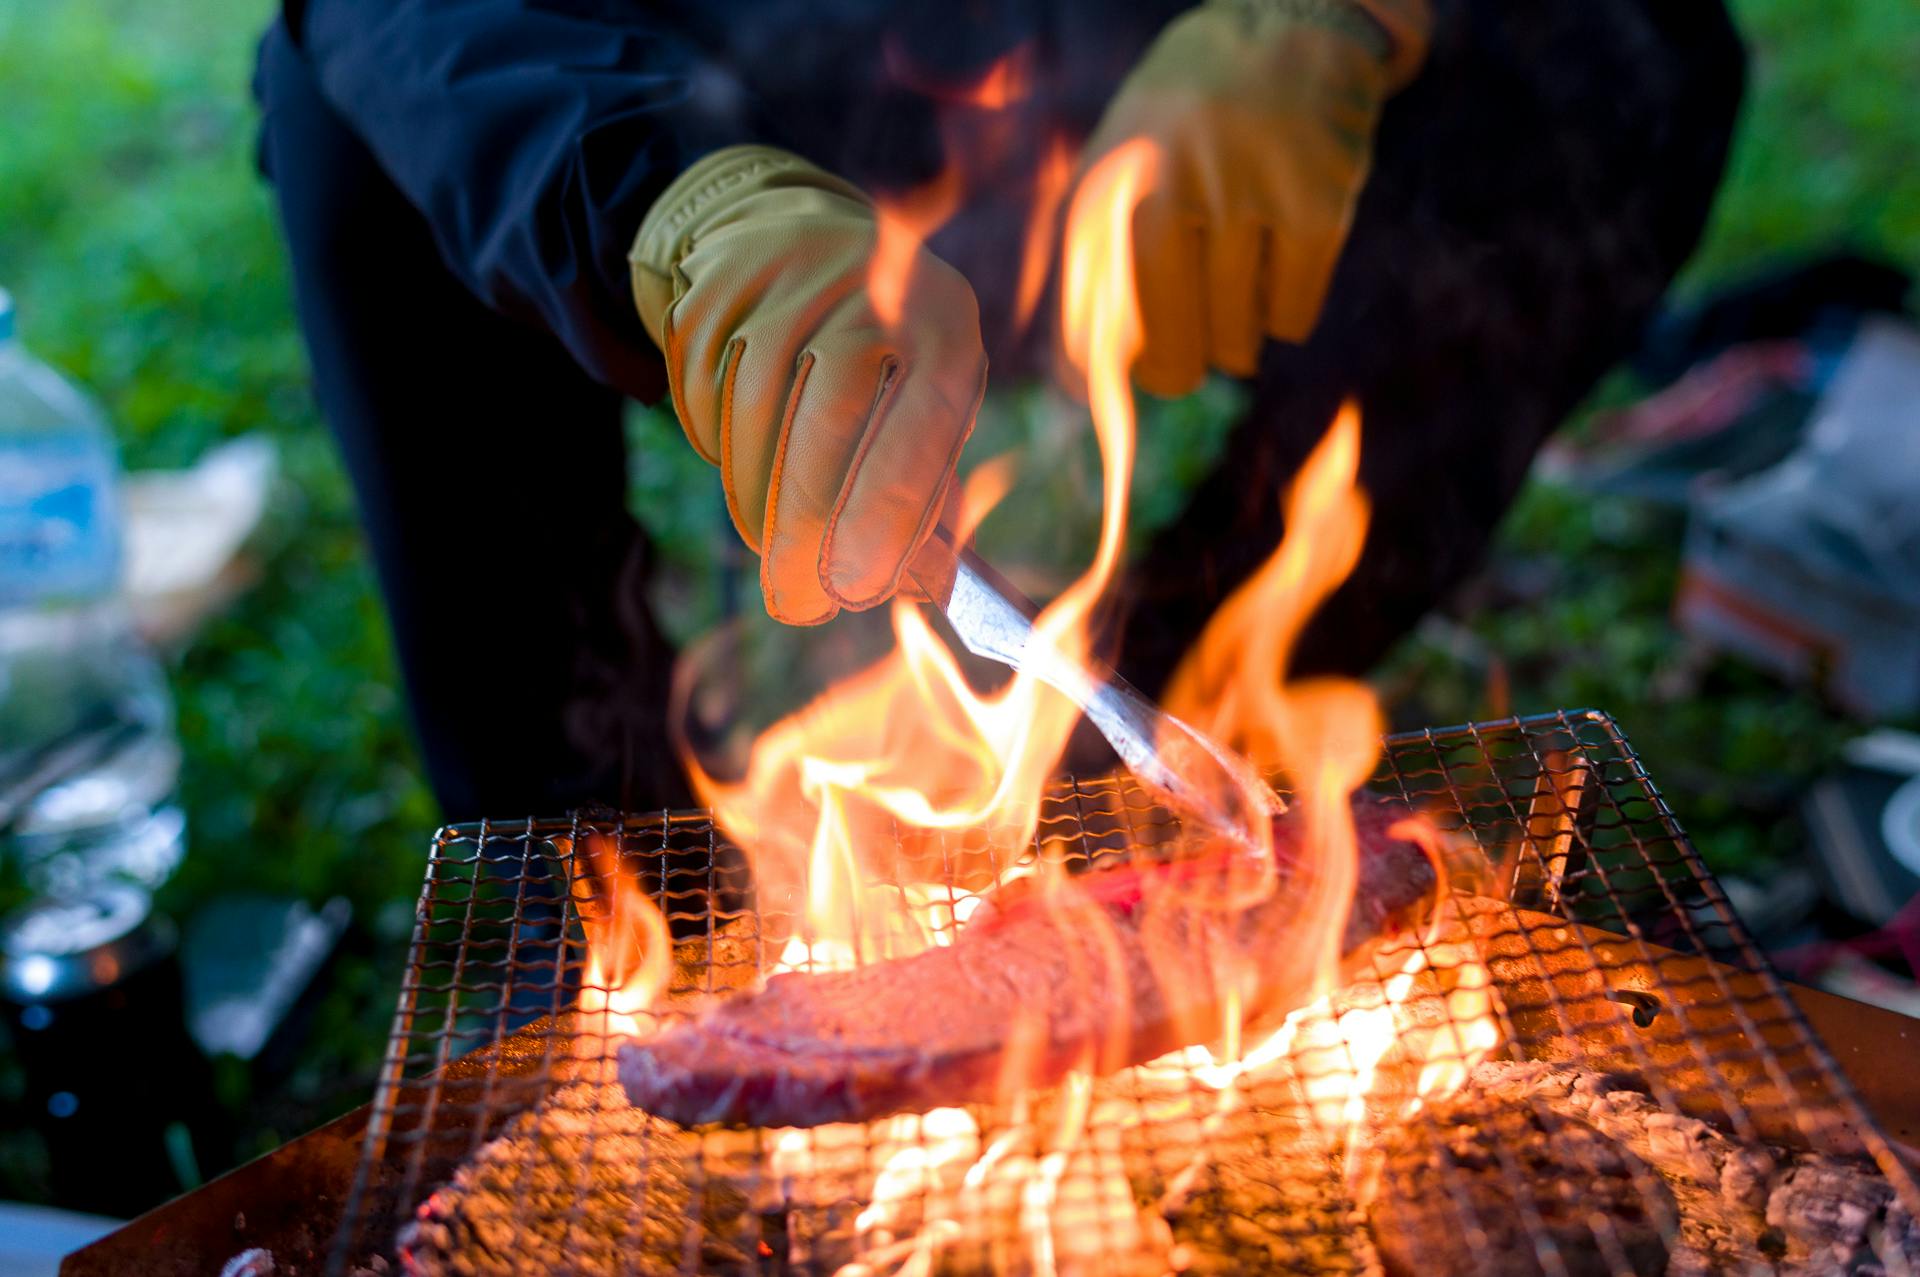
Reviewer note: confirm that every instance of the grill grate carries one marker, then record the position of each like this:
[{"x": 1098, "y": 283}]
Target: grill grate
[{"x": 1620, "y": 968}]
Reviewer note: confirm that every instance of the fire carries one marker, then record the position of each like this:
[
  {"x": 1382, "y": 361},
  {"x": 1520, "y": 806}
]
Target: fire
[
  {"x": 1230, "y": 685},
  {"x": 909, "y": 743},
  {"x": 629, "y": 950},
  {"x": 903, "y": 225},
  {"x": 1366, "y": 1056},
  {"x": 1006, "y": 81},
  {"x": 843, "y": 802},
  {"x": 1049, "y": 188},
  {"x": 978, "y": 132}
]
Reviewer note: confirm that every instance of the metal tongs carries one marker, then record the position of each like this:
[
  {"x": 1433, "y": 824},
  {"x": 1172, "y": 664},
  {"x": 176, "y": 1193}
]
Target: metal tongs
[{"x": 1193, "y": 773}]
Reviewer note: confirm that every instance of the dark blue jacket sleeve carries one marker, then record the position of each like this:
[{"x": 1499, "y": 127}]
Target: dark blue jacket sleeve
[{"x": 533, "y": 140}]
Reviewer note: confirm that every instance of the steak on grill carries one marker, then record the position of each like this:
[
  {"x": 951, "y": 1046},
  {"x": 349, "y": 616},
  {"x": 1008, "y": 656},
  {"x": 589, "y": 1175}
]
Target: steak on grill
[{"x": 1028, "y": 984}]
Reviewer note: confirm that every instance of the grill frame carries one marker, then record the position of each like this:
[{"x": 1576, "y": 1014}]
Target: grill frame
[{"x": 1614, "y": 858}]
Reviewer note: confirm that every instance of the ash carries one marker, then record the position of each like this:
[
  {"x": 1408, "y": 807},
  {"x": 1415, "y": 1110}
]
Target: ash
[
  {"x": 1529, "y": 1161},
  {"x": 1677, "y": 1195}
]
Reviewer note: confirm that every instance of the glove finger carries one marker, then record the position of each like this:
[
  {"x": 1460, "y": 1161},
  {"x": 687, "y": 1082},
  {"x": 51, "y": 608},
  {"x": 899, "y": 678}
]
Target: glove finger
[
  {"x": 699, "y": 362},
  {"x": 1168, "y": 277},
  {"x": 902, "y": 473},
  {"x": 1235, "y": 326},
  {"x": 756, "y": 383},
  {"x": 1297, "y": 280},
  {"x": 836, "y": 387},
  {"x": 743, "y": 287},
  {"x": 1317, "y": 212}
]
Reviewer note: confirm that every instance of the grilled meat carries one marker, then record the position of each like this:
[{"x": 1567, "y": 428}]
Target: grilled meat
[{"x": 1124, "y": 968}]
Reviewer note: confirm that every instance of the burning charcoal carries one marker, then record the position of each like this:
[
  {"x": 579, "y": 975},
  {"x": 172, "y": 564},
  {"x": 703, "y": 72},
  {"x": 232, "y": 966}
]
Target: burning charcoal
[
  {"x": 1745, "y": 1177},
  {"x": 1512, "y": 1183},
  {"x": 585, "y": 1184},
  {"x": 726, "y": 961},
  {"x": 1277, "y": 1208},
  {"x": 1825, "y": 1210},
  {"x": 1718, "y": 1184}
]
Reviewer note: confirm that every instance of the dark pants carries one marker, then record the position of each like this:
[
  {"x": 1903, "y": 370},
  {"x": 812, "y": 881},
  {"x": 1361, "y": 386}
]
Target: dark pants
[
  {"x": 492, "y": 478},
  {"x": 1533, "y": 194}
]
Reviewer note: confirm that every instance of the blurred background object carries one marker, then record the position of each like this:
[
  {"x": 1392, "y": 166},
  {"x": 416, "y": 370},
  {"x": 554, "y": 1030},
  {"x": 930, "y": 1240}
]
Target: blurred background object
[
  {"x": 140, "y": 246},
  {"x": 88, "y": 760},
  {"x": 1811, "y": 568}
]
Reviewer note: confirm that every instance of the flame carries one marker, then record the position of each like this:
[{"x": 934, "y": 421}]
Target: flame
[
  {"x": 1049, "y": 188},
  {"x": 902, "y": 225},
  {"x": 629, "y": 949},
  {"x": 850, "y": 797},
  {"x": 1006, "y": 81},
  {"x": 1230, "y": 684},
  {"x": 908, "y": 744},
  {"x": 1366, "y": 1056},
  {"x": 904, "y": 222}
]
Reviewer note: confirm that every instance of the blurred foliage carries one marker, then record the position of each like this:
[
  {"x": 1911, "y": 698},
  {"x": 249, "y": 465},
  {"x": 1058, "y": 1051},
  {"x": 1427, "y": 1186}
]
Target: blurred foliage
[
  {"x": 140, "y": 243},
  {"x": 1825, "y": 147},
  {"x": 1822, "y": 158}
]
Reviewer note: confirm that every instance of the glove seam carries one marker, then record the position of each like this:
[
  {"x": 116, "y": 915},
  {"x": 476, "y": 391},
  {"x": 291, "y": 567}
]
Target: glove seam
[
  {"x": 892, "y": 373},
  {"x": 1342, "y": 16},
  {"x": 928, "y": 518},
  {"x": 792, "y": 410},
  {"x": 736, "y": 352}
]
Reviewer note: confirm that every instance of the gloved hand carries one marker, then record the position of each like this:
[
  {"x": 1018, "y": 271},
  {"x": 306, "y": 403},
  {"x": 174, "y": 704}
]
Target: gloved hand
[
  {"x": 836, "y": 435},
  {"x": 1263, "y": 114}
]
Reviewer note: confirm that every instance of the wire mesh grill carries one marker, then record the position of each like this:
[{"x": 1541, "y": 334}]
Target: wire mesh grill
[{"x": 1653, "y": 1099}]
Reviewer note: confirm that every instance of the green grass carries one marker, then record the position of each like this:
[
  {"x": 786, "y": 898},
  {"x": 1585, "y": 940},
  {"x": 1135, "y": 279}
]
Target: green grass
[
  {"x": 1825, "y": 149},
  {"x": 1822, "y": 158},
  {"x": 140, "y": 244}
]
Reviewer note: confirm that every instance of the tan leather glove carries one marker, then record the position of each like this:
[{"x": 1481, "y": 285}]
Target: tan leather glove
[
  {"x": 1263, "y": 113},
  {"x": 836, "y": 435}
]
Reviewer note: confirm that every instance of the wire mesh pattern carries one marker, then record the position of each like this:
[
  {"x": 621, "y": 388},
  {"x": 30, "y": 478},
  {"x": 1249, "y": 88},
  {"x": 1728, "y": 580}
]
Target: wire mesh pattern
[{"x": 1649, "y": 1061}]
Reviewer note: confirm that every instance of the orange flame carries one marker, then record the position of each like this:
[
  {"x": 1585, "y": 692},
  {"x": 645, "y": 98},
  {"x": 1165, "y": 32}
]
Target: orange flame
[
  {"x": 1049, "y": 188},
  {"x": 902, "y": 225},
  {"x": 1230, "y": 684},
  {"x": 629, "y": 949},
  {"x": 908, "y": 743},
  {"x": 1006, "y": 81}
]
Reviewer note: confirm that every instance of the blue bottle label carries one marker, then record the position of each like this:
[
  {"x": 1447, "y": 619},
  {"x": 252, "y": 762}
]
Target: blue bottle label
[{"x": 56, "y": 535}]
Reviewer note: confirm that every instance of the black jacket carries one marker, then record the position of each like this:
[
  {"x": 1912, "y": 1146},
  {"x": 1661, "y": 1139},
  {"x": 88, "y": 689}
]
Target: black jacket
[{"x": 533, "y": 134}]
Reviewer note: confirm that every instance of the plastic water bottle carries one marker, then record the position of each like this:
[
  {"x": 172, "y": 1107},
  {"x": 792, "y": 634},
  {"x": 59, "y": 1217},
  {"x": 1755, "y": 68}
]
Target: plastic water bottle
[{"x": 88, "y": 759}]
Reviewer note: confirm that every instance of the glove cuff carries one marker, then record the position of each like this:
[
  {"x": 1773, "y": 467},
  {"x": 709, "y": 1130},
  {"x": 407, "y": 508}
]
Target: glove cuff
[
  {"x": 711, "y": 189},
  {"x": 1393, "y": 31}
]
